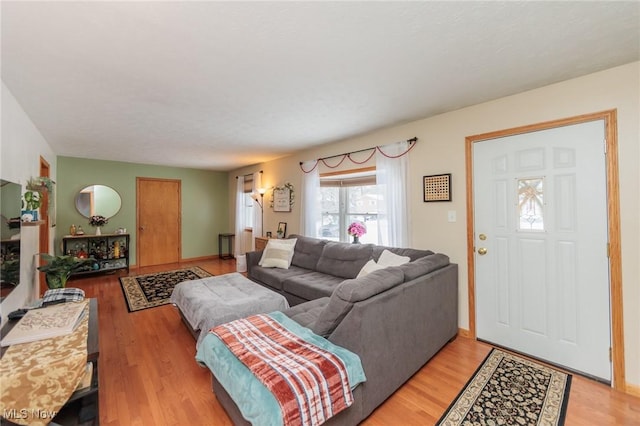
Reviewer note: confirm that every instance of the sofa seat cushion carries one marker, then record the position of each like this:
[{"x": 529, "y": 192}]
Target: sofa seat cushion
[
  {"x": 274, "y": 277},
  {"x": 344, "y": 260},
  {"x": 311, "y": 285},
  {"x": 307, "y": 313},
  {"x": 352, "y": 291},
  {"x": 424, "y": 266},
  {"x": 307, "y": 252}
]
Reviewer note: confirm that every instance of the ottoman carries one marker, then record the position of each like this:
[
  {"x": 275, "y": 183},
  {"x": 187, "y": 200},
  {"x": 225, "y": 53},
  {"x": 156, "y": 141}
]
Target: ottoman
[{"x": 208, "y": 302}]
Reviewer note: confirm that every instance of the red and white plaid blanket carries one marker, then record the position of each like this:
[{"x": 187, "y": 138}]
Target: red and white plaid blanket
[{"x": 309, "y": 383}]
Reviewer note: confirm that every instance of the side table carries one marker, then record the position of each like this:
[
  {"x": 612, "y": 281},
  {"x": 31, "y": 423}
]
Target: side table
[
  {"x": 261, "y": 243},
  {"x": 229, "y": 253}
]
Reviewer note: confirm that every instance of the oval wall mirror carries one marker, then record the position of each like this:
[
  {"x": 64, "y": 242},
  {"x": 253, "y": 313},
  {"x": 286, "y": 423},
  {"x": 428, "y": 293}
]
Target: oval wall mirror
[{"x": 98, "y": 200}]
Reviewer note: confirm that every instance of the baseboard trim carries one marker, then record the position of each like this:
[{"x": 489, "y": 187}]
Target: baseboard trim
[
  {"x": 191, "y": 259},
  {"x": 462, "y": 332},
  {"x": 201, "y": 258},
  {"x": 633, "y": 390}
]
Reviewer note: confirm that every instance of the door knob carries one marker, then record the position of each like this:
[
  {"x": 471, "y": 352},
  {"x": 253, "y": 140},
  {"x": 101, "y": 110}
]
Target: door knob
[{"x": 482, "y": 251}]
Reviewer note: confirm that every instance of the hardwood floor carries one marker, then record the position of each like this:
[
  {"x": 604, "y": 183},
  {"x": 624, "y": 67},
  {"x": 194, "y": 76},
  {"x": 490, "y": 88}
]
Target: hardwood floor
[{"x": 148, "y": 374}]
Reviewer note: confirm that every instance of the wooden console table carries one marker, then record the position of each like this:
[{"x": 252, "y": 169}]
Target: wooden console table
[
  {"x": 101, "y": 249},
  {"x": 261, "y": 243},
  {"x": 82, "y": 406}
]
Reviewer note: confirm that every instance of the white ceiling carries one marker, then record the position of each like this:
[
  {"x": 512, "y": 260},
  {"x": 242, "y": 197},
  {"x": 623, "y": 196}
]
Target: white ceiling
[{"x": 220, "y": 85}]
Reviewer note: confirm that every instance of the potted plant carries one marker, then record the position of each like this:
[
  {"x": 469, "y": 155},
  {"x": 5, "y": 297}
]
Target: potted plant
[
  {"x": 42, "y": 185},
  {"x": 98, "y": 221},
  {"x": 30, "y": 206},
  {"x": 10, "y": 272},
  {"x": 58, "y": 269},
  {"x": 357, "y": 230}
]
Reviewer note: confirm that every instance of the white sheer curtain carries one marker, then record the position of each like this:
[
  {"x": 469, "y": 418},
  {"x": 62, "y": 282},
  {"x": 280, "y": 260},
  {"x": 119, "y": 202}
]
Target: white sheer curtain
[
  {"x": 257, "y": 208},
  {"x": 310, "y": 200},
  {"x": 392, "y": 178},
  {"x": 240, "y": 217}
]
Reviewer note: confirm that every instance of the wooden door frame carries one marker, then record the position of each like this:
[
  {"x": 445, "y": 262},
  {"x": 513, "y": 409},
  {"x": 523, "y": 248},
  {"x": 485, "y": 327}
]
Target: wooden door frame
[
  {"x": 43, "y": 245},
  {"x": 179, "y": 182},
  {"x": 613, "y": 217}
]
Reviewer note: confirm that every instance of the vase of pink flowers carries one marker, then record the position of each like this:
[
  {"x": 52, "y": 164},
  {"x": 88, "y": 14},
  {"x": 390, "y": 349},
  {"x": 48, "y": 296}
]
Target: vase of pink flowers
[
  {"x": 98, "y": 221},
  {"x": 356, "y": 230}
]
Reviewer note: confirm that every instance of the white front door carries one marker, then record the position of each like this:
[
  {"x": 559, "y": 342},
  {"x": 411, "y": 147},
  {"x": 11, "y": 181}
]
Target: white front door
[{"x": 540, "y": 220}]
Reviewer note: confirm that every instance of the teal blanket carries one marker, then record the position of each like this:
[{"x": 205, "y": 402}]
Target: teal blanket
[{"x": 255, "y": 401}]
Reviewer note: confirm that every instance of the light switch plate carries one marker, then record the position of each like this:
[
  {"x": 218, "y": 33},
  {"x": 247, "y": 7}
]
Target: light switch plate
[{"x": 451, "y": 216}]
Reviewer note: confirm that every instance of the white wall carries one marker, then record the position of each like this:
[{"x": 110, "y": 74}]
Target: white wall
[
  {"x": 21, "y": 146},
  {"x": 441, "y": 149}
]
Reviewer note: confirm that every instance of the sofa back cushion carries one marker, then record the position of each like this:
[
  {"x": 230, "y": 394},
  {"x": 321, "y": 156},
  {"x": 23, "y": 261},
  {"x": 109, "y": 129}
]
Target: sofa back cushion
[
  {"x": 371, "y": 284},
  {"x": 307, "y": 252},
  {"x": 412, "y": 253},
  {"x": 344, "y": 260},
  {"x": 352, "y": 291},
  {"x": 423, "y": 266}
]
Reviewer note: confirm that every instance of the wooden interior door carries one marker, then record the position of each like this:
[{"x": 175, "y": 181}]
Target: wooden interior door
[
  {"x": 158, "y": 221},
  {"x": 45, "y": 171}
]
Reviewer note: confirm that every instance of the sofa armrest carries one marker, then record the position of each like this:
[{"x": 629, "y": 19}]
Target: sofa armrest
[
  {"x": 253, "y": 257},
  {"x": 396, "y": 332}
]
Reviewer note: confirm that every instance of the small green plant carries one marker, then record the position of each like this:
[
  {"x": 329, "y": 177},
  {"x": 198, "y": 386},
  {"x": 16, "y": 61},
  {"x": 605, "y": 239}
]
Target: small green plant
[
  {"x": 58, "y": 269},
  {"x": 10, "y": 272},
  {"x": 31, "y": 200},
  {"x": 42, "y": 185}
]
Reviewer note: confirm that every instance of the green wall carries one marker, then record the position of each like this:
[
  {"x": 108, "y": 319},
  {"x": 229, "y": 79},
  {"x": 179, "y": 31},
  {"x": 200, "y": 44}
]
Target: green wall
[{"x": 205, "y": 212}]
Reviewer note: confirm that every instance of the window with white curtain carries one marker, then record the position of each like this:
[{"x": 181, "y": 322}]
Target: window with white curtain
[
  {"x": 248, "y": 202},
  {"x": 248, "y": 211},
  {"x": 346, "y": 198}
]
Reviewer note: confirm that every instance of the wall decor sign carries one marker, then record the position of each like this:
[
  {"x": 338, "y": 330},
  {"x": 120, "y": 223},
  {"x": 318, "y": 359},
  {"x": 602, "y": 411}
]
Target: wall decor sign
[
  {"x": 437, "y": 187},
  {"x": 282, "y": 200}
]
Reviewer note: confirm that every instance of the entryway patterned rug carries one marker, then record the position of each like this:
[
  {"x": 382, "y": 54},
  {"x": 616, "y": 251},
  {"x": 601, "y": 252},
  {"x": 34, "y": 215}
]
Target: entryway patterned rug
[
  {"x": 511, "y": 390},
  {"x": 151, "y": 290}
]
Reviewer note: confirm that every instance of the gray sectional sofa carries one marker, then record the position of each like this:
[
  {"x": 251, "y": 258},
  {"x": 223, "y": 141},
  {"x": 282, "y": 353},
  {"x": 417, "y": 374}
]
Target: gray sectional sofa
[
  {"x": 395, "y": 318},
  {"x": 318, "y": 266}
]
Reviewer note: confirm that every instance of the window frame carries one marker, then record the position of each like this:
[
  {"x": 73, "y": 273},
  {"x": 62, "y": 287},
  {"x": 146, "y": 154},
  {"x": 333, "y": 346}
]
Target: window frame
[{"x": 342, "y": 181}]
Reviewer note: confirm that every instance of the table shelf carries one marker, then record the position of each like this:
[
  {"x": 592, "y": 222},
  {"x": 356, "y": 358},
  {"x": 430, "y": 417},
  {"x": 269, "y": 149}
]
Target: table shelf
[{"x": 100, "y": 248}]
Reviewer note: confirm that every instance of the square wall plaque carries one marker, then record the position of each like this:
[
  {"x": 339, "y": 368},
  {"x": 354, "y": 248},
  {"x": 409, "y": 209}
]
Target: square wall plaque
[{"x": 437, "y": 187}]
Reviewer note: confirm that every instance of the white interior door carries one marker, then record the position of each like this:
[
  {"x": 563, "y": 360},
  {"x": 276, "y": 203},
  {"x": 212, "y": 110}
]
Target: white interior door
[{"x": 540, "y": 218}]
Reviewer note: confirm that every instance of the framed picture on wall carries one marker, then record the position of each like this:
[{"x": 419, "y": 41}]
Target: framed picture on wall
[
  {"x": 437, "y": 187},
  {"x": 282, "y": 230},
  {"x": 281, "y": 198}
]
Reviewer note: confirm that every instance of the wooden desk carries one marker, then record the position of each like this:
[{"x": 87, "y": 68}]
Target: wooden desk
[{"x": 82, "y": 406}]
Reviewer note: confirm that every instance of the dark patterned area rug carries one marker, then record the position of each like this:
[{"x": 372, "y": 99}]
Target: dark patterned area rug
[
  {"x": 511, "y": 390},
  {"x": 151, "y": 290}
]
